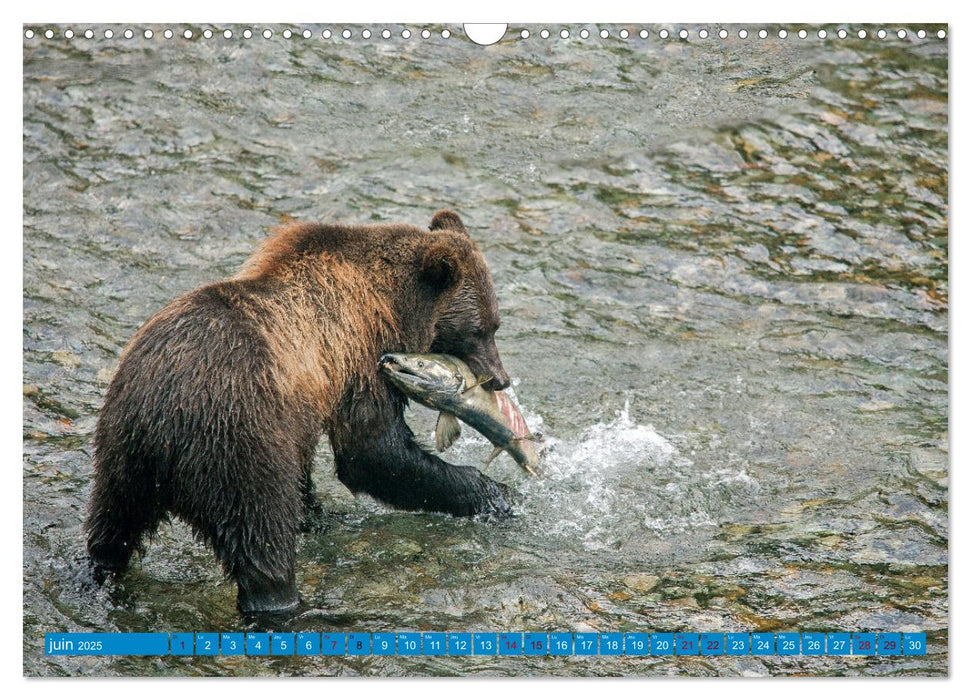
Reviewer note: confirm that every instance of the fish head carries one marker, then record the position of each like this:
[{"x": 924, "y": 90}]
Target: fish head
[{"x": 419, "y": 375}]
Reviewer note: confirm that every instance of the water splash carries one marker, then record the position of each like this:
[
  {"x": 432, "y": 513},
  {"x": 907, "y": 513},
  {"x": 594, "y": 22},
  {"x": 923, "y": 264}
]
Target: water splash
[{"x": 622, "y": 444}]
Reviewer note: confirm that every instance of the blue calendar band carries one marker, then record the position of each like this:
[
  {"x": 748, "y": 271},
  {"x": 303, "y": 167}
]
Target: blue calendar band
[{"x": 550, "y": 644}]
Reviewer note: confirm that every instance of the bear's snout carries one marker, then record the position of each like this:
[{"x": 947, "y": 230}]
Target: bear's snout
[
  {"x": 487, "y": 363},
  {"x": 499, "y": 381}
]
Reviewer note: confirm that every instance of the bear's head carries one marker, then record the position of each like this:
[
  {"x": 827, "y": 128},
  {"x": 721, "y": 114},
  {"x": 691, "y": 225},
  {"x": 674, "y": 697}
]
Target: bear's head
[{"x": 468, "y": 319}]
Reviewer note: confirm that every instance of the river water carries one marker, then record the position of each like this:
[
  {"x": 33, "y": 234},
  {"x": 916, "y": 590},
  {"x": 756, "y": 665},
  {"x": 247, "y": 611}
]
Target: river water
[{"x": 722, "y": 273}]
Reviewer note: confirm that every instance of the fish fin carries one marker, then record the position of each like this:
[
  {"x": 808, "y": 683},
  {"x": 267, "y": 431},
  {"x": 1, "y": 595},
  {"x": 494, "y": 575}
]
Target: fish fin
[
  {"x": 446, "y": 431},
  {"x": 495, "y": 453}
]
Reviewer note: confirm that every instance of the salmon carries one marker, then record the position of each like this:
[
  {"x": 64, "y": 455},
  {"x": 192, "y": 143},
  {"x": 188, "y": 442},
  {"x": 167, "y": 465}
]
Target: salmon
[{"x": 445, "y": 383}]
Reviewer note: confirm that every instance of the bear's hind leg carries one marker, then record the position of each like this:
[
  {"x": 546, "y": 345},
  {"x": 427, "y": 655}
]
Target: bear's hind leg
[
  {"x": 257, "y": 549},
  {"x": 260, "y": 556},
  {"x": 252, "y": 523},
  {"x": 259, "y": 593},
  {"x": 122, "y": 511},
  {"x": 313, "y": 511}
]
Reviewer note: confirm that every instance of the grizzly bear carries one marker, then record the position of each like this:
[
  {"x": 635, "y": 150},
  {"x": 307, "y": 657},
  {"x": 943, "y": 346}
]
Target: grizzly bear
[{"x": 220, "y": 399}]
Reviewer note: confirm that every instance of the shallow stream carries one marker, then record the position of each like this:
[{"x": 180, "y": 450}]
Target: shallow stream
[{"x": 722, "y": 272}]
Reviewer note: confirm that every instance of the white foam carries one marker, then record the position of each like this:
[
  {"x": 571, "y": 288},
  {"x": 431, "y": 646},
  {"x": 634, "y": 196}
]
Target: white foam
[
  {"x": 617, "y": 445},
  {"x": 594, "y": 483},
  {"x": 615, "y": 479}
]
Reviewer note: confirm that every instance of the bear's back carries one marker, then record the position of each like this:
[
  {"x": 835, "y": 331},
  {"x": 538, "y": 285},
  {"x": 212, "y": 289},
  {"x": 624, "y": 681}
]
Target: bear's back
[{"x": 191, "y": 362}]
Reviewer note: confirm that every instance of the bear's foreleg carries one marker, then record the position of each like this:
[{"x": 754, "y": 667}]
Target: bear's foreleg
[{"x": 380, "y": 457}]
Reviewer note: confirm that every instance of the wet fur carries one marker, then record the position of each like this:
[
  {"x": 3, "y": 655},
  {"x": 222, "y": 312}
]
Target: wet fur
[{"x": 220, "y": 399}]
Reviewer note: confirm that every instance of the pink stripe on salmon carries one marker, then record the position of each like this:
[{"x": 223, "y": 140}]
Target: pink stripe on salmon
[{"x": 514, "y": 419}]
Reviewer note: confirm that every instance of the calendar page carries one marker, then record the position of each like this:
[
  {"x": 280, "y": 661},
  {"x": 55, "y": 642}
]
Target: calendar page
[{"x": 509, "y": 350}]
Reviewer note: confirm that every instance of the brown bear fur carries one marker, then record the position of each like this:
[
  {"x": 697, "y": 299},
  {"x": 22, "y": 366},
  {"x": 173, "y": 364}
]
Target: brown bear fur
[{"x": 220, "y": 399}]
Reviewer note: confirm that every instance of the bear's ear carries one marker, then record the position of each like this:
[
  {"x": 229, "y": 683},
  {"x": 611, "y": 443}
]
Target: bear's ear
[
  {"x": 440, "y": 268},
  {"x": 447, "y": 220}
]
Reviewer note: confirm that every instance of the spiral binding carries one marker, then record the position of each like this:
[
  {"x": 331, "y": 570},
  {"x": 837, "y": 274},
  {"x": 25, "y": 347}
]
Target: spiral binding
[{"x": 533, "y": 32}]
